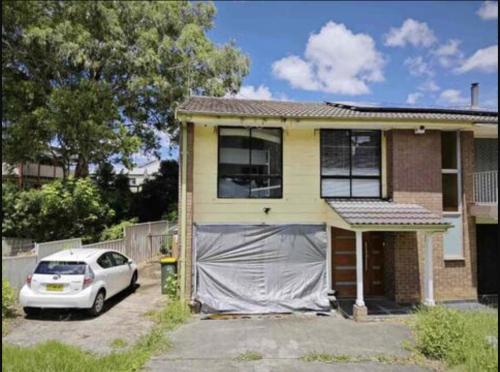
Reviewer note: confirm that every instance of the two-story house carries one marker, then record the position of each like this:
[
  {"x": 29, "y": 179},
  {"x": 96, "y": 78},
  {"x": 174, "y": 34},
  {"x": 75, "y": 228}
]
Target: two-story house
[{"x": 284, "y": 203}]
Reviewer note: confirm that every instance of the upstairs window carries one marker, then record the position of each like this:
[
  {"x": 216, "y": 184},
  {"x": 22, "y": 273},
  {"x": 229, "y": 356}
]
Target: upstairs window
[
  {"x": 250, "y": 163},
  {"x": 449, "y": 171},
  {"x": 350, "y": 163}
]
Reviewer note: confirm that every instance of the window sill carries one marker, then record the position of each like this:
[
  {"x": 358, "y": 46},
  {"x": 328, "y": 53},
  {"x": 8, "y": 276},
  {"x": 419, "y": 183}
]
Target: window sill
[{"x": 454, "y": 258}]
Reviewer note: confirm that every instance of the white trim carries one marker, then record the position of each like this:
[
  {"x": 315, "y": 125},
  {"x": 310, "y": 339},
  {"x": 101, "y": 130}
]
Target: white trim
[
  {"x": 428, "y": 272},
  {"x": 359, "y": 269}
]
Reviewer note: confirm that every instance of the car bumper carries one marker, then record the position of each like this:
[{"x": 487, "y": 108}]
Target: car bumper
[{"x": 83, "y": 299}]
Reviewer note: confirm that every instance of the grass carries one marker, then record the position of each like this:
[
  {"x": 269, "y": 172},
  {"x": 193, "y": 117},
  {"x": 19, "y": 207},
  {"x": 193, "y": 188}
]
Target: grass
[
  {"x": 55, "y": 356},
  {"x": 249, "y": 356},
  {"x": 457, "y": 338},
  {"x": 329, "y": 358},
  {"x": 118, "y": 343}
]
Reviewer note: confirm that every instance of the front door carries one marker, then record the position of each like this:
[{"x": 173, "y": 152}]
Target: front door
[
  {"x": 344, "y": 263},
  {"x": 373, "y": 264}
]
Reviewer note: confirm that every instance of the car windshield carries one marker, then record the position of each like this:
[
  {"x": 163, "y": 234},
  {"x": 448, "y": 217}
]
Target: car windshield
[{"x": 61, "y": 267}]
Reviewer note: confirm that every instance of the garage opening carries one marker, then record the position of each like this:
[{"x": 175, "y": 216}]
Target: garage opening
[
  {"x": 260, "y": 268},
  {"x": 487, "y": 262}
]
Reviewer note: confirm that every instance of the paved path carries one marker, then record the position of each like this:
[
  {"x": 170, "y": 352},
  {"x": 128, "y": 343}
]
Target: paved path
[
  {"x": 124, "y": 319},
  {"x": 215, "y": 345}
]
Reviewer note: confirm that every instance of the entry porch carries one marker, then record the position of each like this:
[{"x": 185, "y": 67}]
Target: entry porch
[{"x": 364, "y": 237}]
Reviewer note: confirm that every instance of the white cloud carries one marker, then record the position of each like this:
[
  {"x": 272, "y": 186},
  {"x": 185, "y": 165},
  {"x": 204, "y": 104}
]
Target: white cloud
[
  {"x": 428, "y": 86},
  {"x": 418, "y": 67},
  {"x": 411, "y": 32},
  {"x": 297, "y": 72},
  {"x": 259, "y": 93},
  {"x": 452, "y": 97},
  {"x": 449, "y": 53},
  {"x": 335, "y": 61},
  {"x": 485, "y": 60},
  {"x": 413, "y": 98},
  {"x": 488, "y": 10}
]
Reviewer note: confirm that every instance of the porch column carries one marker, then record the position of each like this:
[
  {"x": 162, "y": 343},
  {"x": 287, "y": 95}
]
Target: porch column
[
  {"x": 359, "y": 269},
  {"x": 428, "y": 272}
]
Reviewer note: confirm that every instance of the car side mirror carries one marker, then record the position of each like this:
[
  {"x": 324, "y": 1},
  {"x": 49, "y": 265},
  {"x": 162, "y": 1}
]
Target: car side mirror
[{"x": 130, "y": 262}]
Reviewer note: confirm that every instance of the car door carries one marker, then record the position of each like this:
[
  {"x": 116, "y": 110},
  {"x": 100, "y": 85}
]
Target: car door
[
  {"x": 123, "y": 270},
  {"x": 110, "y": 273}
]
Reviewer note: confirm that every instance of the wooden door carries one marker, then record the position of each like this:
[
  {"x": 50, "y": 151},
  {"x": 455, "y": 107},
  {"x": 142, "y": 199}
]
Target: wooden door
[
  {"x": 344, "y": 263},
  {"x": 373, "y": 263}
]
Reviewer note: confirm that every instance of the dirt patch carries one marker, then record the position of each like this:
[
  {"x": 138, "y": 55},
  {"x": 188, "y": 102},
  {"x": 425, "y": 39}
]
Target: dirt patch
[{"x": 124, "y": 318}]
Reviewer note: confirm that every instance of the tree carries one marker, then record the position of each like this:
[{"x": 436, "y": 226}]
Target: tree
[
  {"x": 158, "y": 196},
  {"x": 59, "y": 210},
  {"x": 99, "y": 79},
  {"x": 115, "y": 191}
]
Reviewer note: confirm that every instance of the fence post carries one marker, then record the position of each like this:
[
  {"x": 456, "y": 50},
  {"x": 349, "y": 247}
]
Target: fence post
[{"x": 150, "y": 242}]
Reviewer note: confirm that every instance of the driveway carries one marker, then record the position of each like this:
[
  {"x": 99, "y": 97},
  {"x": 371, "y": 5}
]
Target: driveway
[
  {"x": 125, "y": 318},
  {"x": 216, "y": 345}
]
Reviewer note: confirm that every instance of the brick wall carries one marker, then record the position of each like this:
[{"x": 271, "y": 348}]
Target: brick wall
[{"x": 414, "y": 167}]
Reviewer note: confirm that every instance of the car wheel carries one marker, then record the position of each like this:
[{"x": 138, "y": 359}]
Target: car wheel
[
  {"x": 30, "y": 311},
  {"x": 98, "y": 305},
  {"x": 131, "y": 286}
]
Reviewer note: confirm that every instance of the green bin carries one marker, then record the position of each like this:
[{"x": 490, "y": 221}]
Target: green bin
[{"x": 168, "y": 267}]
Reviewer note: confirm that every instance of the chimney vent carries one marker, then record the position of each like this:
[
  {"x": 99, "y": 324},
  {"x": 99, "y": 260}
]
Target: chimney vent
[{"x": 474, "y": 96}]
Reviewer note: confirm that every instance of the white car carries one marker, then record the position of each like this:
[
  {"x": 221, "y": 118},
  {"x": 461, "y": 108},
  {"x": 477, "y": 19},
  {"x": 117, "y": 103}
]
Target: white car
[{"x": 77, "y": 278}]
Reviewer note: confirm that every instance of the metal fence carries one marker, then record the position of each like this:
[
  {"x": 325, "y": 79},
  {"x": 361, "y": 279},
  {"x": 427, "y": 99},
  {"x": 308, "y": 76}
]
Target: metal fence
[
  {"x": 16, "y": 269},
  {"x": 16, "y": 246},
  {"x": 486, "y": 187},
  {"x": 117, "y": 245},
  {"x": 46, "y": 249},
  {"x": 142, "y": 242}
]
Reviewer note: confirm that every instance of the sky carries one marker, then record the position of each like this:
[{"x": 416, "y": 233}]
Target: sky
[
  {"x": 422, "y": 54},
  {"x": 378, "y": 53}
]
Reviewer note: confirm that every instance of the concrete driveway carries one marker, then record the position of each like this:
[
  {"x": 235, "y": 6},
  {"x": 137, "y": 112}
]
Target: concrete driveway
[
  {"x": 218, "y": 345},
  {"x": 124, "y": 318}
]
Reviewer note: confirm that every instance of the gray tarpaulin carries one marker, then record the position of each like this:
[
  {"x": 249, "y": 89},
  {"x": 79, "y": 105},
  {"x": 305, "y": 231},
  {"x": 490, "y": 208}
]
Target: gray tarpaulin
[{"x": 261, "y": 268}]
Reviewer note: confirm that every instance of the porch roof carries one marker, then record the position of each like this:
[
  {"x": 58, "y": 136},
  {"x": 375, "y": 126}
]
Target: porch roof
[{"x": 378, "y": 214}]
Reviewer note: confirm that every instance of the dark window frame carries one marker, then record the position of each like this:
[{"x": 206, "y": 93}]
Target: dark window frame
[
  {"x": 251, "y": 176},
  {"x": 110, "y": 258},
  {"x": 121, "y": 255},
  {"x": 350, "y": 177}
]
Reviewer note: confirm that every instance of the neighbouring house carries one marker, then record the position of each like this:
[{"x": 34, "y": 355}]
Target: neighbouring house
[
  {"x": 33, "y": 174},
  {"x": 282, "y": 204},
  {"x": 138, "y": 175}
]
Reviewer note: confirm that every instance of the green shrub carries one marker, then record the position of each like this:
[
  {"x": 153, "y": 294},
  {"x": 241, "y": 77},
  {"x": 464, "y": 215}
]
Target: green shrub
[
  {"x": 439, "y": 332},
  {"x": 8, "y": 298},
  {"x": 116, "y": 231},
  {"x": 61, "y": 209},
  {"x": 458, "y": 338},
  {"x": 171, "y": 286}
]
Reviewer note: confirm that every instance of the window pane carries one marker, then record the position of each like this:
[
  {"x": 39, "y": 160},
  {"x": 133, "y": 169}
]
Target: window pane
[
  {"x": 61, "y": 268},
  {"x": 265, "y": 187},
  {"x": 234, "y": 187},
  {"x": 366, "y": 187},
  {"x": 448, "y": 150},
  {"x": 335, "y": 147},
  {"x": 452, "y": 238},
  {"x": 450, "y": 192},
  {"x": 335, "y": 187},
  {"x": 365, "y": 153},
  {"x": 234, "y": 151},
  {"x": 266, "y": 151}
]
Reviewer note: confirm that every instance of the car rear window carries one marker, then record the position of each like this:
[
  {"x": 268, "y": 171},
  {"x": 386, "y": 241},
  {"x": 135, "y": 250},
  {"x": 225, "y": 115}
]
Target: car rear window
[{"x": 61, "y": 267}]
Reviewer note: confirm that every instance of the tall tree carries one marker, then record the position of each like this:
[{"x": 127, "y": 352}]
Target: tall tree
[
  {"x": 158, "y": 196},
  {"x": 91, "y": 80}
]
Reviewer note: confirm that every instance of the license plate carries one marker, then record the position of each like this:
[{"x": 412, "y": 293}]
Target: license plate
[{"x": 55, "y": 287}]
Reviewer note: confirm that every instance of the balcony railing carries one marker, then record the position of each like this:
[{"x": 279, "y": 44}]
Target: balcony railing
[{"x": 486, "y": 187}]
